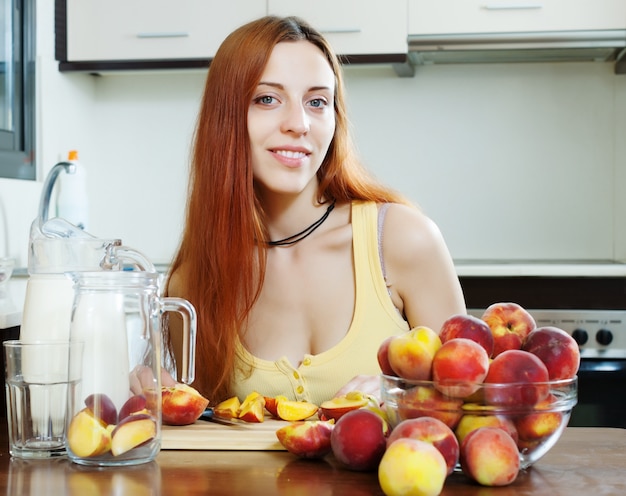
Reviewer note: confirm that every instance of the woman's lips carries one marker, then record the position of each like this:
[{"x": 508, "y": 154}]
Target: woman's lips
[{"x": 290, "y": 157}]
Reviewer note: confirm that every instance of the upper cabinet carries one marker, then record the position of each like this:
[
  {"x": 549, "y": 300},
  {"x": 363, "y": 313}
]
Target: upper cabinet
[
  {"x": 94, "y": 35},
  {"x": 147, "y": 30},
  {"x": 353, "y": 27},
  {"x": 514, "y": 16}
]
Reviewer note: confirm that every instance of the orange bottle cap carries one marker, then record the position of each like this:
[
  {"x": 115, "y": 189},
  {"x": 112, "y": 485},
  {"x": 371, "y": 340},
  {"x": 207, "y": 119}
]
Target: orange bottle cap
[{"x": 72, "y": 155}]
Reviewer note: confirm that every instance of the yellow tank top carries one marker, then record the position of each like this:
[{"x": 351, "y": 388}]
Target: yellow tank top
[{"x": 320, "y": 376}]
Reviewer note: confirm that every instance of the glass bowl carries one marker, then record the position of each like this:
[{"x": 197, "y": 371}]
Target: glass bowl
[{"x": 535, "y": 414}]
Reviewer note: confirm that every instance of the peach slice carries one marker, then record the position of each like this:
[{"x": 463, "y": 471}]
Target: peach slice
[
  {"x": 228, "y": 408},
  {"x": 181, "y": 404},
  {"x": 134, "y": 404},
  {"x": 252, "y": 408},
  {"x": 87, "y": 435},
  {"x": 293, "y": 411},
  {"x": 271, "y": 404},
  {"x": 337, "y": 407},
  {"x": 102, "y": 408},
  {"x": 131, "y": 432}
]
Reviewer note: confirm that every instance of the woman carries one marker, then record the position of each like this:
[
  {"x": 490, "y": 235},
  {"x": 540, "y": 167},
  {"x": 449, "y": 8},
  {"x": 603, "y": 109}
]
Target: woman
[{"x": 294, "y": 286}]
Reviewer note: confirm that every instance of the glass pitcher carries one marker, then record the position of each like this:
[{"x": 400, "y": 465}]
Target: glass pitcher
[{"x": 116, "y": 412}]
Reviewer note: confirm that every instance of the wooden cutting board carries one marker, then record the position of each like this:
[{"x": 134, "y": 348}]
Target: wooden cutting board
[{"x": 203, "y": 435}]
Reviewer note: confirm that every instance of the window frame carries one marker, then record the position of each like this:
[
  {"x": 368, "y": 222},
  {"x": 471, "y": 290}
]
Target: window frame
[{"x": 17, "y": 147}]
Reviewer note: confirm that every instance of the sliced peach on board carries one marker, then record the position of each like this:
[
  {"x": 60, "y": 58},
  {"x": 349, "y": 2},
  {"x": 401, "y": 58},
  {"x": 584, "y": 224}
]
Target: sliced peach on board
[
  {"x": 293, "y": 411},
  {"x": 87, "y": 436},
  {"x": 228, "y": 408},
  {"x": 271, "y": 404},
  {"x": 131, "y": 432},
  {"x": 252, "y": 408},
  {"x": 182, "y": 404}
]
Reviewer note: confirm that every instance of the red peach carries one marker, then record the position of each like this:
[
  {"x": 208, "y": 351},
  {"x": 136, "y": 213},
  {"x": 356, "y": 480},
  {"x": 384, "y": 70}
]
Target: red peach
[
  {"x": 306, "y": 438},
  {"x": 510, "y": 323},
  {"x": 516, "y": 378},
  {"x": 490, "y": 457},
  {"x": 432, "y": 431},
  {"x": 543, "y": 422},
  {"x": 459, "y": 367},
  {"x": 470, "y": 327},
  {"x": 556, "y": 349},
  {"x": 425, "y": 401},
  {"x": 411, "y": 354},
  {"x": 382, "y": 355},
  {"x": 181, "y": 404},
  {"x": 359, "y": 440}
]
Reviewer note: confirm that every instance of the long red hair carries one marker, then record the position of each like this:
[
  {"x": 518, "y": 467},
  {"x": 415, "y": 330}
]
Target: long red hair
[{"x": 221, "y": 264}]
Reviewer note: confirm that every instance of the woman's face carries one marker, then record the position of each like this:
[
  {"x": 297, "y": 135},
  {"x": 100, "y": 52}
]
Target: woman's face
[{"x": 291, "y": 119}]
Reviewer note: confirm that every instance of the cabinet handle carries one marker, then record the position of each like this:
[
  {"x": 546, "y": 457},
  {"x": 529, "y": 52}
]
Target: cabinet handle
[
  {"x": 165, "y": 34},
  {"x": 340, "y": 30},
  {"x": 519, "y": 6}
]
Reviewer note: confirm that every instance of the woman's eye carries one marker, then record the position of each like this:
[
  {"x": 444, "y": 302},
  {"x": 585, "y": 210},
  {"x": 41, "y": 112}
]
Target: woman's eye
[
  {"x": 318, "y": 103},
  {"x": 265, "y": 100}
]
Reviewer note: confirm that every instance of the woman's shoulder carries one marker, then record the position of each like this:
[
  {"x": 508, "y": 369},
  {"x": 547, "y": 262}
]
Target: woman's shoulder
[{"x": 408, "y": 233}]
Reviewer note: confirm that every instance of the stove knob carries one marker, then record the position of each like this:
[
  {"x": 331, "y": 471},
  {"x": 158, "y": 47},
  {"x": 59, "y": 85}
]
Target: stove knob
[
  {"x": 604, "y": 337},
  {"x": 580, "y": 336}
]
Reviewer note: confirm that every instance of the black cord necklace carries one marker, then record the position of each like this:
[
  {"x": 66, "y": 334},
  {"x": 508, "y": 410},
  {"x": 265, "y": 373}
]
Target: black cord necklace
[{"x": 304, "y": 233}]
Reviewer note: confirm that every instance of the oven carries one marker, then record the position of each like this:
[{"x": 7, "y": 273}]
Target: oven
[{"x": 593, "y": 312}]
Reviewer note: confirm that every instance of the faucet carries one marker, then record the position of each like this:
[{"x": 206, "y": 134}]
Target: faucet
[{"x": 48, "y": 185}]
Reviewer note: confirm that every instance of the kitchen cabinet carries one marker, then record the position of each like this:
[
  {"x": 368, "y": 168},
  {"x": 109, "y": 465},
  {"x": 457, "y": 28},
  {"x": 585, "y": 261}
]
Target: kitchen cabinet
[
  {"x": 513, "y": 16},
  {"x": 353, "y": 27},
  {"x": 147, "y": 30}
]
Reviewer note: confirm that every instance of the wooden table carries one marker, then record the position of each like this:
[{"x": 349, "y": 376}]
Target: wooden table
[{"x": 586, "y": 461}]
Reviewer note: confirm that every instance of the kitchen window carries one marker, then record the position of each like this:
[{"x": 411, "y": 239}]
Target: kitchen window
[{"x": 17, "y": 89}]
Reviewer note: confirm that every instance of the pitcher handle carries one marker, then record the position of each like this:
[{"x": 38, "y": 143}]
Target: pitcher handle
[
  {"x": 126, "y": 253},
  {"x": 188, "y": 312}
]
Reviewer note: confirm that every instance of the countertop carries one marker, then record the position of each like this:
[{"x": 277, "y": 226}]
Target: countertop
[
  {"x": 540, "y": 268},
  {"x": 585, "y": 461}
]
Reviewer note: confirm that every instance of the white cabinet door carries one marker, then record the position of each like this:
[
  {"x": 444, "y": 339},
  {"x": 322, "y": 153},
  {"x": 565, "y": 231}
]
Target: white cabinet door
[
  {"x": 153, "y": 29},
  {"x": 509, "y": 16},
  {"x": 353, "y": 27}
]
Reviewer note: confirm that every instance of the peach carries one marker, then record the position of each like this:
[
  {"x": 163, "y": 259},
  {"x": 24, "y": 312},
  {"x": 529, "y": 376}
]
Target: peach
[
  {"x": 252, "y": 408},
  {"x": 228, "y": 408},
  {"x": 424, "y": 401},
  {"x": 294, "y": 411},
  {"x": 510, "y": 323},
  {"x": 382, "y": 355},
  {"x": 359, "y": 439},
  {"x": 181, "y": 404},
  {"x": 432, "y": 431},
  {"x": 490, "y": 457},
  {"x": 88, "y": 435},
  {"x": 556, "y": 349},
  {"x": 102, "y": 408},
  {"x": 524, "y": 376},
  {"x": 411, "y": 466},
  {"x": 307, "y": 438},
  {"x": 470, "y": 327},
  {"x": 411, "y": 354},
  {"x": 338, "y": 406},
  {"x": 134, "y": 404},
  {"x": 540, "y": 424},
  {"x": 271, "y": 404},
  {"x": 131, "y": 432},
  {"x": 470, "y": 422},
  {"x": 459, "y": 367}
]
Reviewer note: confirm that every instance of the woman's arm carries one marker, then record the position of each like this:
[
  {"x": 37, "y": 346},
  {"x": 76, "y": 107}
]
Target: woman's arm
[{"x": 419, "y": 269}]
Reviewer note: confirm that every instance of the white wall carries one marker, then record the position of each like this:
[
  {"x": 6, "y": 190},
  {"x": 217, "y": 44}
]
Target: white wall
[{"x": 512, "y": 161}]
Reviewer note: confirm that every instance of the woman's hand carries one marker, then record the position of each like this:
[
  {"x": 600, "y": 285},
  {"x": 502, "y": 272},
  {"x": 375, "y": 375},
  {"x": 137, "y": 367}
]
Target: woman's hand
[
  {"x": 142, "y": 378},
  {"x": 367, "y": 384}
]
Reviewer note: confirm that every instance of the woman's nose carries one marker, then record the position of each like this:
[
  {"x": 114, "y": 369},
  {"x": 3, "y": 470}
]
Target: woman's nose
[{"x": 296, "y": 120}]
